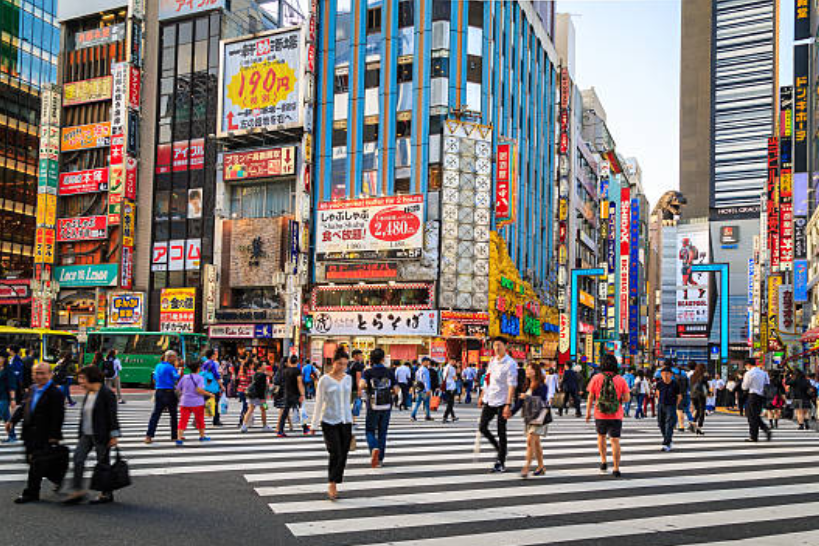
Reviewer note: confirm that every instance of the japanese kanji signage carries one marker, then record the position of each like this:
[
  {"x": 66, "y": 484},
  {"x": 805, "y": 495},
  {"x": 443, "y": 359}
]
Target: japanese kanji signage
[
  {"x": 382, "y": 227},
  {"x": 376, "y": 323},
  {"x": 83, "y": 137},
  {"x": 81, "y": 92},
  {"x": 89, "y": 181},
  {"x": 82, "y": 228},
  {"x": 126, "y": 309},
  {"x": 361, "y": 272},
  {"x": 801, "y": 28},
  {"x": 259, "y": 164},
  {"x": 504, "y": 183},
  {"x": 625, "y": 238},
  {"x": 99, "y": 36},
  {"x": 177, "y": 310},
  {"x": 261, "y": 82},
  {"x": 800, "y": 108},
  {"x": 178, "y": 8}
]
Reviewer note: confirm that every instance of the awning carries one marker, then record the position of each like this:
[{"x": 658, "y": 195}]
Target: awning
[{"x": 811, "y": 335}]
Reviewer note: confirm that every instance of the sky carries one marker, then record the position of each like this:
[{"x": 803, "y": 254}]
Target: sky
[{"x": 629, "y": 51}]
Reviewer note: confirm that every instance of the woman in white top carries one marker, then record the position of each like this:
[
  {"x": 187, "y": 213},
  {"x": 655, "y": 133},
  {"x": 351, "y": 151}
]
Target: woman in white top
[
  {"x": 333, "y": 411},
  {"x": 449, "y": 377}
]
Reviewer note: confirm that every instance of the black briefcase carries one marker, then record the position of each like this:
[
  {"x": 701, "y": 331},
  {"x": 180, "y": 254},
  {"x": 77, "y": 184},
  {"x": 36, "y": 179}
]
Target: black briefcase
[
  {"x": 51, "y": 462},
  {"x": 110, "y": 477}
]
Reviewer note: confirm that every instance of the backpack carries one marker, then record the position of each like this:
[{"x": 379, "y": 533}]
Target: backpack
[
  {"x": 699, "y": 390},
  {"x": 683, "y": 382},
  {"x": 108, "y": 369},
  {"x": 770, "y": 392},
  {"x": 434, "y": 380},
  {"x": 608, "y": 402},
  {"x": 380, "y": 393},
  {"x": 211, "y": 385}
]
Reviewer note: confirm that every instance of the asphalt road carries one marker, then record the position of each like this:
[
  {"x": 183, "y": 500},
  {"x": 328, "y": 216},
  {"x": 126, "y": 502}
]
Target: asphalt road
[{"x": 434, "y": 491}]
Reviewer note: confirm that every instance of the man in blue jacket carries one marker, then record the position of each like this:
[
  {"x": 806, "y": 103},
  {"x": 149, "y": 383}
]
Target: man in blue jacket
[{"x": 166, "y": 375}]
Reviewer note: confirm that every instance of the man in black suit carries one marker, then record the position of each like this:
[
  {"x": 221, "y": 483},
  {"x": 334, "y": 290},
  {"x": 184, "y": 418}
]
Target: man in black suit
[{"x": 42, "y": 413}]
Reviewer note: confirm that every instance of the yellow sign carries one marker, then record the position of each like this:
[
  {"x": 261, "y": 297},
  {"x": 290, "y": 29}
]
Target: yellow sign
[
  {"x": 261, "y": 85},
  {"x": 46, "y": 210},
  {"x": 774, "y": 282},
  {"x": 83, "y": 137},
  {"x": 586, "y": 299},
  {"x": 84, "y": 91},
  {"x": 44, "y": 246}
]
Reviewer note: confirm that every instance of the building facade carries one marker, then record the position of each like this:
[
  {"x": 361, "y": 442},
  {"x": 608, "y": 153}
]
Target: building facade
[{"x": 28, "y": 65}]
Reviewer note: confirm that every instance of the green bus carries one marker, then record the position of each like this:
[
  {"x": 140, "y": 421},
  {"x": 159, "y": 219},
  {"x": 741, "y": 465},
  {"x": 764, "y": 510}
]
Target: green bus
[{"x": 140, "y": 351}]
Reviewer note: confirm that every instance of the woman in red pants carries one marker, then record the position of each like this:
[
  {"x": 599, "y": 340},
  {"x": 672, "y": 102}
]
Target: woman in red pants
[{"x": 192, "y": 396}]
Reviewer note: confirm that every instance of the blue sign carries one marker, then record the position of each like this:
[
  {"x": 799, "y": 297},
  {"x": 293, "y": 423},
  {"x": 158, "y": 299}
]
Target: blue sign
[{"x": 800, "y": 281}]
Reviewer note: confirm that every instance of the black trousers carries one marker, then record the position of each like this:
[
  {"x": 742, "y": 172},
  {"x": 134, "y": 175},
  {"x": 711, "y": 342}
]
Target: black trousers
[
  {"x": 575, "y": 401},
  {"x": 753, "y": 410},
  {"x": 337, "y": 440},
  {"x": 449, "y": 396},
  {"x": 163, "y": 399},
  {"x": 487, "y": 414},
  {"x": 405, "y": 395},
  {"x": 35, "y": 477},
  {"x": 699, "y": 410}
]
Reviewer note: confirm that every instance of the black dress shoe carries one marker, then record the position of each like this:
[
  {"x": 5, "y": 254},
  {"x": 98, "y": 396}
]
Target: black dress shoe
[
  {"x": 25, "y": 499},
  {"x": 102, "y": 499}
]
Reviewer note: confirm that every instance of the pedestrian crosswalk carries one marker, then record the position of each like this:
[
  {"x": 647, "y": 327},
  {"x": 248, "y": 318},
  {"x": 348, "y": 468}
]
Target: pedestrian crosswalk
[{"x": 435, "y": 490}]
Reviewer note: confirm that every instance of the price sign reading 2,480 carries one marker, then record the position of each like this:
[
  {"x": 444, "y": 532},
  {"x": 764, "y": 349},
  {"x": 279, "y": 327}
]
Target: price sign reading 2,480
[{"x": 395, "y": 224}]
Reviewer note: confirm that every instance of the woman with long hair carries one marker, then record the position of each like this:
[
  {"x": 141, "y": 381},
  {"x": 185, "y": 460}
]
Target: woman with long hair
[
  {"x": 536, "y": 428},
  {"x": 800, "y": 391},
  {"x": 334, "y": 415},
  {"x": 699, "y": 395}
]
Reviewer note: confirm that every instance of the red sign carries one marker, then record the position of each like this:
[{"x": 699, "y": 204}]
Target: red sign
[
  {"x": 134, "y": 85},
  {"x": 14, "y": 292},
  {"x": 90, "y": 181},
  {"x": 503, "y": 182},
  {"x": 354, "y": 272},
  {"x": 130, "y": 178},
  {"x": 773, "y": 201},
  {"x": 82, "y": 228},
  {"x": 394, "y": 225},
  {"x": 163, "y": 158},
  {"x": 189, "y": 155},
  {"x": 786, "y": 234},
  {"x": 117, "y": 149},
  {"x": 565, "y": 88},
  {"x": 259, "y": 164}
]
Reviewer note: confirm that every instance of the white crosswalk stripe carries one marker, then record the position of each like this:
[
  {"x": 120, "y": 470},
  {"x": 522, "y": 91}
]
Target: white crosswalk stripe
[{"x": 435, "y": 491}]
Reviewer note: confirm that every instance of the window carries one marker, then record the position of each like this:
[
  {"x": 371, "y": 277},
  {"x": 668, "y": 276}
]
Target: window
[
  {"x": 371, "y": 133},
  {"x": 441, "y": 10},
  {"x": 402, "y": 185},
  {"x": 474, "y": 69},
  {"x": 405, "y": 72},
  {"x": 260, "y": 200},
  {"x": 406, "y": 14},
  {"x": 340, "y": 137},
  {"x": 440, "y": 67},
  {"x": 374, "y": 20},
  {"x": 371, "y": 78},
  {"x": 342, "y": 83},
  {"x": 475, "y": 13},
  {"x": 403, "y": 128}
]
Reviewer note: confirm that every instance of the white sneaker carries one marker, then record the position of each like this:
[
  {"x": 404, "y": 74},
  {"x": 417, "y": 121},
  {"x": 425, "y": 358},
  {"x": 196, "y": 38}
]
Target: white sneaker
[
  {"x": 670, "y": 446},
  {"x": 243, "y": 429},
  {"x": 267, "y": 428},
  {"x": 666, "y": 448}
]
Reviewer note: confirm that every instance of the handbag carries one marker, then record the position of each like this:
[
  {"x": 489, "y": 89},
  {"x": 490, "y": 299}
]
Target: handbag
[
  {"x": 356, "y": 407},
  {"x": 543, "y": 418},
  {"x": 434, "y": 403},
  {"x": 51, "y": 462},
  {"x": 559, "y": 399},
  {"x": 111, "y": 477},
  {"x": 353, "y": 443}
]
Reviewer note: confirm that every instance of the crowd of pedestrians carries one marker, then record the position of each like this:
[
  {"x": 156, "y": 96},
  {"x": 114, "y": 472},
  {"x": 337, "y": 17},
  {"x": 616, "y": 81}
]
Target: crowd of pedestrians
[{"x": 679, "y": 397}]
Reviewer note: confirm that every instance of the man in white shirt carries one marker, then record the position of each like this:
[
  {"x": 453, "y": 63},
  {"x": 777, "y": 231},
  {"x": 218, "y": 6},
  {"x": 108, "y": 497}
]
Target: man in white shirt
[
  {"x": 754, "y": 383},
  {"x": 497, "y": 399},
  {"x": 469, "y": 374},
  {"x": 402, "y": 375},
  {"x": 423, "y": 389}
]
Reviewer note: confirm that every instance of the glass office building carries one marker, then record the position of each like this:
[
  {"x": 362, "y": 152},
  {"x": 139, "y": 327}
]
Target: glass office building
[{"x": 29, "y": 43}]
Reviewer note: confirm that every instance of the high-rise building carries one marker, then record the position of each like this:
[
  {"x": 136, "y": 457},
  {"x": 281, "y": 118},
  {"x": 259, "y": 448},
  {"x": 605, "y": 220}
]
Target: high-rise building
[
  {"x": 728, "y": 103},
  {"x": 28, "y": 63},
  {"x": 423, "y": 108}
]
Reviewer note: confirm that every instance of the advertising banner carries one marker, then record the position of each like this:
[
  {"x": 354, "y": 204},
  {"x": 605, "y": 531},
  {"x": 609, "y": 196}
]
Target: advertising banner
[
  {"x": 46, "y": 210},
  {"x": 126, "y": 309},
  {"x": 169, "y": 9},
  {"x": 800, "y": 281},
  {"x": 364, "y": 229},
  {"x": 801, "y": 17},
  {"x": 82, "y": 228},
  {"x": 128, "y": 223},
  {"x": 99, "y": 36},
  {"x": 363, "y": 271},
  {"x": 800, "y": 108},
  {"x": 634, "y": 280},
  {"x": 188, "y": 155},
  {"x": 85, "y": 91},
  {"x": 773, "y": 203},
  {"x": 85, "y": 137},
  {"x": 44, "y": 246},
  {"x": 625, "y": 238},
  {"x": 259, "y": 164},
  {"x": 504, "y": 183},
  {"x": 786, "y": 311},
  {"x": 177, "y": 310},
  {"x": 774, "y": 282},
  {"x": 72, "y": 276},
  {"x": 376, "y": 323},
  {"x": 90, "y": 181},
  {"x": 261, "y": 84},
  {"x": 692, "y": 288}
]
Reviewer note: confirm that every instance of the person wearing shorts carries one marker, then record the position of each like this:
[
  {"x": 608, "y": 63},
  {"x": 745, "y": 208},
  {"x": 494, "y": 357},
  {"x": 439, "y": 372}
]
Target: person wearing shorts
[{"x": 608, "y": 424}]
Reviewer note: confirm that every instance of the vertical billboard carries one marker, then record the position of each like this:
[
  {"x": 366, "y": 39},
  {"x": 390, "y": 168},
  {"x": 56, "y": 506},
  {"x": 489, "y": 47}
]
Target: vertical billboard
[
  {"x": 693, "y": 247},
  {"x": 177, "y": 310},
  {"x": 261, "y": 83},
  {"x": 625, "y": 238},
  {"x": 800, "y": 108},
  {"x": 634, "y": 280}
]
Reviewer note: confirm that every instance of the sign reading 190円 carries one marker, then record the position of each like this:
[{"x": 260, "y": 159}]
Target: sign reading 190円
[
  {"x": 365, "y": 229},
  {"x": 260, "y": 82}
]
